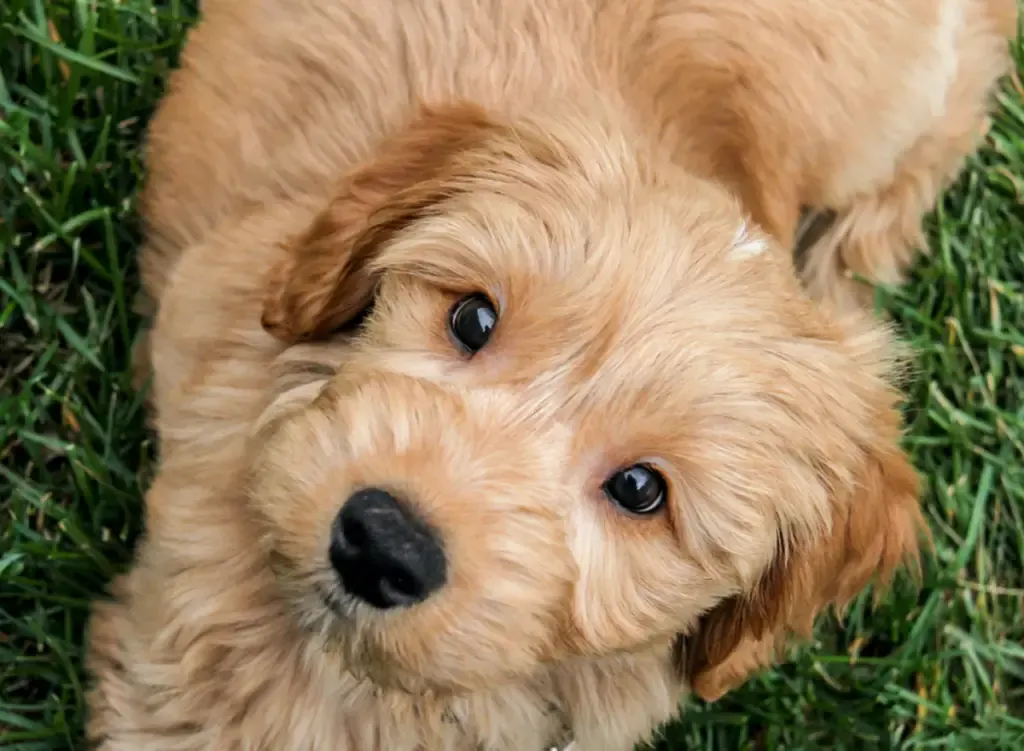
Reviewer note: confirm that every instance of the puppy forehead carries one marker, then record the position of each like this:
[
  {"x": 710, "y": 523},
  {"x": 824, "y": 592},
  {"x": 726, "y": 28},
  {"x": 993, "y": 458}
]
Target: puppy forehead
[
  {"x": 573, "y": 220},
  {"x": 612, "y": 282},
  {"x": 626, "y": 292}
]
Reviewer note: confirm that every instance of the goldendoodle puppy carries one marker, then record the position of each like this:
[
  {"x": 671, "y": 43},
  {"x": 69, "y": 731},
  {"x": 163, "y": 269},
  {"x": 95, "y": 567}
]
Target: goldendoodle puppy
[{"x": 493, "y": 412}]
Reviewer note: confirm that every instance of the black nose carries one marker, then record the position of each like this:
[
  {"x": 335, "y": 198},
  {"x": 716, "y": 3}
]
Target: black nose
[{"x": 383, "y": 552}]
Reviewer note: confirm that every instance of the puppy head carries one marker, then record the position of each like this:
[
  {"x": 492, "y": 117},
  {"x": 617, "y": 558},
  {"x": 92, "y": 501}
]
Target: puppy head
[{"x": 590, "y": 412}]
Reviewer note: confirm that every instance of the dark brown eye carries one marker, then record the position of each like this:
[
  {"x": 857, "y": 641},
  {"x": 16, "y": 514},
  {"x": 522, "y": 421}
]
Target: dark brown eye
[
  {"x": 637, "y": 489},
  {"x": 471, "y": 321}
]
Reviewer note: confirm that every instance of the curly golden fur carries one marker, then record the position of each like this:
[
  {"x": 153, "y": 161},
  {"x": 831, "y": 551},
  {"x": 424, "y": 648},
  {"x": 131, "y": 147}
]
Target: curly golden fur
[{"x": 624, "y": 180}]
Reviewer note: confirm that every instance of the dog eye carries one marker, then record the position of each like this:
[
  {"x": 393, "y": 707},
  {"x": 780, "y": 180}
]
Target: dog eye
[
  {"x": 637, "y": 489},
  {"x": 471, "y": 321}
]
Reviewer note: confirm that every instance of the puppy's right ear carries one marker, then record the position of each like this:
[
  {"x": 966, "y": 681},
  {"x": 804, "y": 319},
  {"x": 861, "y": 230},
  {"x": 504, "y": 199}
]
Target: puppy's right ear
[{"x": 324, "y": 279}]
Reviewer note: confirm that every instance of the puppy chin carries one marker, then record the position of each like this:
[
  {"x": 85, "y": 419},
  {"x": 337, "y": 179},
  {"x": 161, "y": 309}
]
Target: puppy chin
[
  {"x": 340, "y": 624},
  {"x": 337, "y": 623}
]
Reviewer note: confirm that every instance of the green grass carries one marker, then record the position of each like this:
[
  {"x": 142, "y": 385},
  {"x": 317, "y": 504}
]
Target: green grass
[{"x": 940, "y": 667}]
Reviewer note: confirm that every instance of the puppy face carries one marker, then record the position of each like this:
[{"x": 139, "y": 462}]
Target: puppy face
[{"x": 589, "y": 412}]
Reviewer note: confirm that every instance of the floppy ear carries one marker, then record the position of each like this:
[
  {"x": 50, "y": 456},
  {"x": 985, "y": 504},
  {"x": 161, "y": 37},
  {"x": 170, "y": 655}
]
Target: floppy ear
[
  {"x": 876, "y": 525},
  {"x": 323, "y": 280}
]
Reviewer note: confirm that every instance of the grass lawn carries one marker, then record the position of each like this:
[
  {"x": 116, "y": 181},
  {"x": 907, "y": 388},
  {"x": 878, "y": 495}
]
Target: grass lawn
[{"x": 940, "y": 667}]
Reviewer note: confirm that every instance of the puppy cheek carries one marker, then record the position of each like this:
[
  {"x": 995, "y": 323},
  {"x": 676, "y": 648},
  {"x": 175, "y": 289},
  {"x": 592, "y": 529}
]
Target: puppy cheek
[
  {"x": 286, "y": 403},
  {"x": 294, "y": 490},
  {"x": 636, "y": 584},
  {"x": 497, "y": 620},
  {"x": 510, "y": 571}
]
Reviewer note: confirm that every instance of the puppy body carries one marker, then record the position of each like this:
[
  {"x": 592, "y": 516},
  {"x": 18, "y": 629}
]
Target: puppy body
[
  {"x": 625, "y": 180},
  {"x": 763, "y": 97}
]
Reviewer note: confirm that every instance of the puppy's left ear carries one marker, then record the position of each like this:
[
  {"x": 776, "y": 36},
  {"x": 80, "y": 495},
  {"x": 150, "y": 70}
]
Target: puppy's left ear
[
  {"x": 324, "y": 279},
  {"x": 876, "y": 526}
]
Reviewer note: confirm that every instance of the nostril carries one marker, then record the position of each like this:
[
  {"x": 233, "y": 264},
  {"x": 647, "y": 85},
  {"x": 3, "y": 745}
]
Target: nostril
[
  {"x": 354, "y": 533},
  {"x": 403, "y": 584},
  {"x": 399, "y": 588}
]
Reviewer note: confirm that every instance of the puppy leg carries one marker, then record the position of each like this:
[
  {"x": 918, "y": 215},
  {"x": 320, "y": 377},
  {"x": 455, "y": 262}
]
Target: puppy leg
[{"x": 877, "y": 234}]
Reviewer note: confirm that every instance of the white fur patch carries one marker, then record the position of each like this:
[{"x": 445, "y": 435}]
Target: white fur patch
[{"x": 744, "y": 245}]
